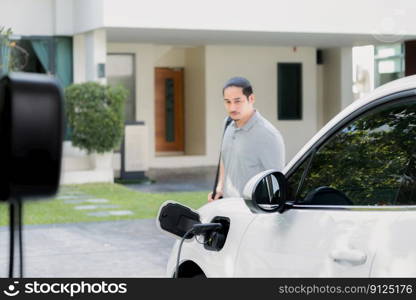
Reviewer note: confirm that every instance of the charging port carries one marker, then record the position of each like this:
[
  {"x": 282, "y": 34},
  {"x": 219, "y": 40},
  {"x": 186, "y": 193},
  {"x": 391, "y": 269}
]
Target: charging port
[{"x": 214, "y": 240}]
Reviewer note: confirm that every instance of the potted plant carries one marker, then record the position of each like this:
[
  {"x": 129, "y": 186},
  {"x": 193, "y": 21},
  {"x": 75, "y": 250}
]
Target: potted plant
[{"x": 95, "y": 114}]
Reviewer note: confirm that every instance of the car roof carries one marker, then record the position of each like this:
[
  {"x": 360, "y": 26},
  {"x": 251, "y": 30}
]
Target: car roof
[{"x": 393, "y": 87}]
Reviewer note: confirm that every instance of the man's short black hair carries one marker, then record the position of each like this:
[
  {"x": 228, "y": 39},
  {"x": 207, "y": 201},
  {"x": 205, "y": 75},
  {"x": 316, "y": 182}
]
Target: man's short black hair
[{"x": 239, "y": 82}]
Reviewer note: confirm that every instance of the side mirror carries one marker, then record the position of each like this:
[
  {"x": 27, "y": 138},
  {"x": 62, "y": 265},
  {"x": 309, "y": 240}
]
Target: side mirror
[{"x": 266, "y": 192}]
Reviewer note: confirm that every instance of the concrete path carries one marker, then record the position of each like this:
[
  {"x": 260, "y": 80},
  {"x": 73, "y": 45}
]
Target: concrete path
[
  {"x": 133, "y": 248},
  {"x": 178, "y": 180},
  {"x": 100, "y": 249}
]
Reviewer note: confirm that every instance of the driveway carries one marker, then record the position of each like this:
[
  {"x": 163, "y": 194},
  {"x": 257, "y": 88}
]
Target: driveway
[
  {"x": 133, "y": 248},
  {"x": 101, "y": 249}
]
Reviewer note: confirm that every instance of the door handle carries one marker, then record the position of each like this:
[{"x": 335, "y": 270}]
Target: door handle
[{"x": 351, "y": 256}]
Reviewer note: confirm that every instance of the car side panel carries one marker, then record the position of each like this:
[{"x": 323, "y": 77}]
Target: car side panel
[
  {"x": 396, "y": 254},
  {"x": 312, "y": 243},
  {"x": 216, "y": 263}
]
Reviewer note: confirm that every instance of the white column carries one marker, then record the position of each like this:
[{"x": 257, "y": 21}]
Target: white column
[
  {"x": 79, "y": 58},
  {"x": 337, "y": 81},
  {"x": 64, "y": 17},
  {"x": 90, "y": 49},
  {"x": 95, "y": 54},
  {"x": 346, "y": 77}
]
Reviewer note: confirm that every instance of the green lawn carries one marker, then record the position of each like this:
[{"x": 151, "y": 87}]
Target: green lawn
[{"x": 58, "y": 210}]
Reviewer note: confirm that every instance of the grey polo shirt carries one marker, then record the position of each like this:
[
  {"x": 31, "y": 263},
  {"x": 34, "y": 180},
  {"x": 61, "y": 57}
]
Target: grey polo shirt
[{"x": 246, "y": 151}]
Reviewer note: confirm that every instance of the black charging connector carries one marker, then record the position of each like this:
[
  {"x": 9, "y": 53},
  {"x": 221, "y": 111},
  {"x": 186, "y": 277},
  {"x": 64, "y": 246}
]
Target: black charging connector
[{"x": 198, "y": 229}]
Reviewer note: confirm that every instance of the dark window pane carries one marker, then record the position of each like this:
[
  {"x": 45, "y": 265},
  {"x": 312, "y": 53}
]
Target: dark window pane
[
  {"x": 295, "y": 179},
  {"x": 170, "y": 110},
  {"x": 370, "y": 162},
  {"x": 289, "y": 91}
]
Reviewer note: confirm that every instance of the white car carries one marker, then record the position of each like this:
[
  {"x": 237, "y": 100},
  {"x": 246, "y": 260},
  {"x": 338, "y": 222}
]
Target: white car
[{"x": 345, "y": 205}]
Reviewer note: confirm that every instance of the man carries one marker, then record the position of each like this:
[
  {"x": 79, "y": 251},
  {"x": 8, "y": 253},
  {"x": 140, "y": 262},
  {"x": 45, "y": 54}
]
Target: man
[{"x": 250, "y": 145}]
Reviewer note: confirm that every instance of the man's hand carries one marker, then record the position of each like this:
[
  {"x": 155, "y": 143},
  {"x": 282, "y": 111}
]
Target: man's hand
[{"x": 218, "y": 195}]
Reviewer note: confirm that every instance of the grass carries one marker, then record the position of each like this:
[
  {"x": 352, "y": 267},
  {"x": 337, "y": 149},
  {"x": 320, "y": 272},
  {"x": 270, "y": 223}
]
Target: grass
[{"x": 143, "y": 205}]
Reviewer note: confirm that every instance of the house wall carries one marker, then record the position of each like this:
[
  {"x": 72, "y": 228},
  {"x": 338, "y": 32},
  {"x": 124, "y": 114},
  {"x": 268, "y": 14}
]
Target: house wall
[
  {"x": 337, "y": 77},
  {"x": 332, "y": 85},
  {"x": 354, "y": 16},
  {"x": 169, "y": 57},
  {"x": 48, "y": 17},
  {"x": 27, "y": 17},
  {"x": 320, "y": 95},
  {"x": 195, "y": 102}
]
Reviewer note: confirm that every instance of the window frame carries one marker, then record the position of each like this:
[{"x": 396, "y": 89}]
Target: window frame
[{"x": 398, "y": 97}]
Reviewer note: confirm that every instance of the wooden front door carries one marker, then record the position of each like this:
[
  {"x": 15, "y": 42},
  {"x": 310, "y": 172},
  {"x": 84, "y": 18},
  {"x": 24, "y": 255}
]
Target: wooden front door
[{"x": 169, "y": 110}]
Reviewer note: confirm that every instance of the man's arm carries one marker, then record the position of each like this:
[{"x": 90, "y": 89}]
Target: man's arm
[{"x": 220, "y": 184}]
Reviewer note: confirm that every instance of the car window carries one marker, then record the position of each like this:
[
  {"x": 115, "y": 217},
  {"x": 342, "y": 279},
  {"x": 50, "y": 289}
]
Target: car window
[
  {"x": 295, "y": 180},
  {"x": 371, "y": 161}
]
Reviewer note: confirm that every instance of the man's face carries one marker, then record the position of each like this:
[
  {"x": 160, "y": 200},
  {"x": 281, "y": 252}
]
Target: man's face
[{"x": 237, "y": 105}]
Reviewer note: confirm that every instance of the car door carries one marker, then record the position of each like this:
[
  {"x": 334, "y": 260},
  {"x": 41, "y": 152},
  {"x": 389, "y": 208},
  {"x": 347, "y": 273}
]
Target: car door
[{"x": 350, "y": 193}]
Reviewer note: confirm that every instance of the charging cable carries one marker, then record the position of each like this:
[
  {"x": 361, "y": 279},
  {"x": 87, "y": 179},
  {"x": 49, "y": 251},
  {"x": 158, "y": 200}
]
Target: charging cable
[{"x": 197, "y": 229}]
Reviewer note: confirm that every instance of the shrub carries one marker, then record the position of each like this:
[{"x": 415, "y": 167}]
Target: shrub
[{"x": 95, "y": 114}]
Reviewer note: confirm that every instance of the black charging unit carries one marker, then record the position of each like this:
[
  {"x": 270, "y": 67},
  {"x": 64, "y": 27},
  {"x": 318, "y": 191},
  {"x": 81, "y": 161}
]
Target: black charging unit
[{"x": 31, "y": 132}]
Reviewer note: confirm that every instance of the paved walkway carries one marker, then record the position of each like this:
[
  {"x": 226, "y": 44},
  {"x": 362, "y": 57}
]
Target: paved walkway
[{"x": 100, "y": 249}]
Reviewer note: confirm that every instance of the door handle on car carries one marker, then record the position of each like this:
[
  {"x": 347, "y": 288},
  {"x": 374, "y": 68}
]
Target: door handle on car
[{"x": 351, "y": 256}]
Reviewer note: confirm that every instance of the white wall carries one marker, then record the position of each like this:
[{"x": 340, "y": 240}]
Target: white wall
[
  {"x": 95, "y": 53},
  {"x": 363, "y": 70},
  {"x": 346, "y": 77},
  {"x": 354, "y": 16},
  {"x": 195, "y": 102},
  {"x": 88, "y": 15},
  {"x": 64, "y": 16},
  {"x": 259, "y": 65},
  {"x": 169, "y": 57},
  {"x": 320, "y": 95},
  {"x": 332, "y": 84},
  {"x": 28, "y": 17},
  {"x": 337, "y": 79},
  {"x": 371, "y": 17}
]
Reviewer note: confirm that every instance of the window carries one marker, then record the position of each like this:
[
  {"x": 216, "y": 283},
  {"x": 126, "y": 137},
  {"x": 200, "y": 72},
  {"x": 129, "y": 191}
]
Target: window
[
  {"x": 389, "y": 63},
  {"x": 295, "y": 181},
  {"x": 45, "y": 55},
  {"x": 289, "y": 96},
  {"x": 371, "y": 161}
]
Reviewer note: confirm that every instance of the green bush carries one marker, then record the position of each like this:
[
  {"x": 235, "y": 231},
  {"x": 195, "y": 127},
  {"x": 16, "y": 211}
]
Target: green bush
[{"x": 95, "y": 114}]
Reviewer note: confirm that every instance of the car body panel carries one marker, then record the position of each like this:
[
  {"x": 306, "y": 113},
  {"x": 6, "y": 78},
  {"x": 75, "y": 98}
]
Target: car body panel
[
  {"x": 313, "y": 243},
  {"x": 396, "y": 255},
  {"x": 216, "y": 263}
]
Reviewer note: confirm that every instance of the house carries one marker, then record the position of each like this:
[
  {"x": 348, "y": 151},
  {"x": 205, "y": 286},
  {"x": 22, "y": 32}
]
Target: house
[{"x": 174, "y": 57}]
